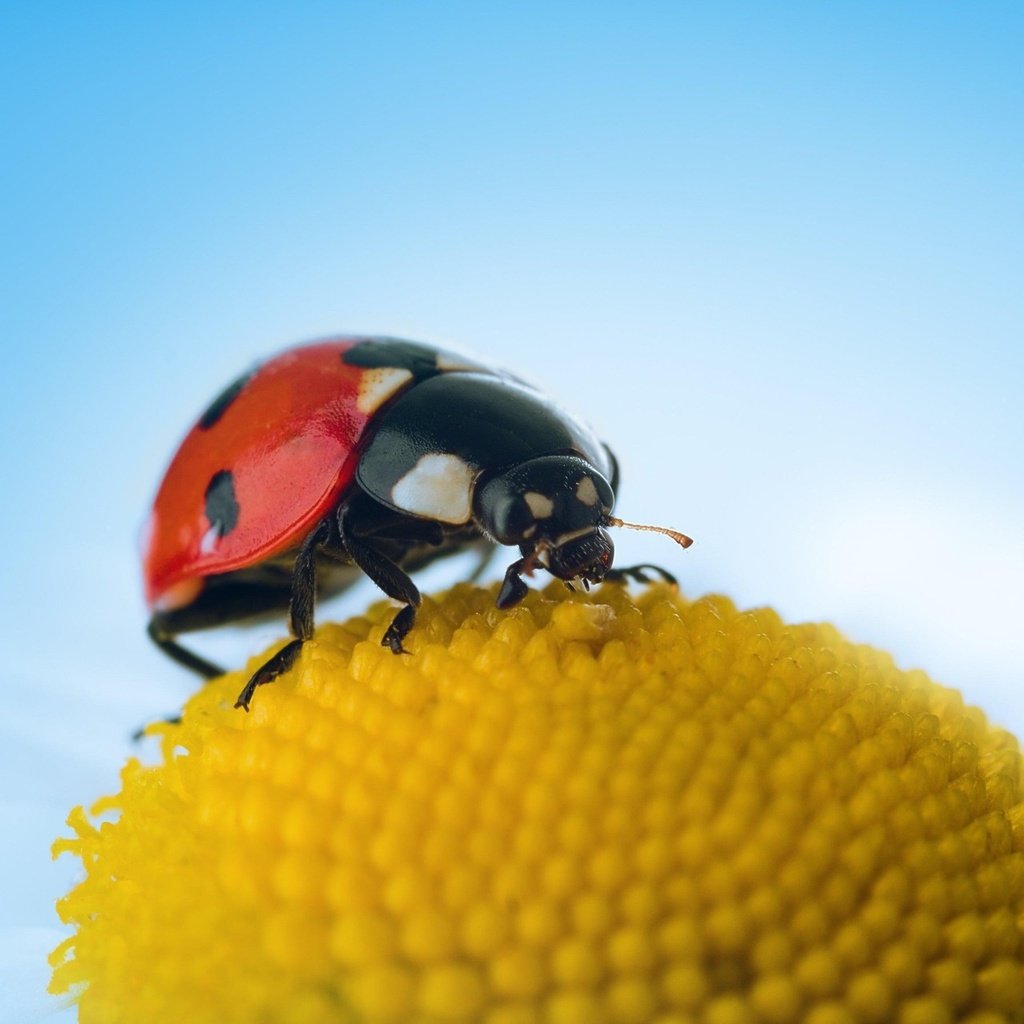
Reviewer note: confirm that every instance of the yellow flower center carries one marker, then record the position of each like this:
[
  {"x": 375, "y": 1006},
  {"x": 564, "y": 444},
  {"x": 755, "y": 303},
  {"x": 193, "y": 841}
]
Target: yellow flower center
[{"x": 601, "y": 808}]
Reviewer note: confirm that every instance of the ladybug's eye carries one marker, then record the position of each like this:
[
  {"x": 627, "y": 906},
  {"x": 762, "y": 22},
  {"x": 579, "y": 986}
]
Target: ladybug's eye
[{"x": 512, "y": 518}]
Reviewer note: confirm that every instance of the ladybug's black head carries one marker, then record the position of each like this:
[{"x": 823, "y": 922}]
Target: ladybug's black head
[{"x": 554, "y": 508}]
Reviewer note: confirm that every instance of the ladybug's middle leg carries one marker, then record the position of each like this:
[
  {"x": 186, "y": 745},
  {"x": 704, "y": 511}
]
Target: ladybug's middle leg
[
  {"x": 384, "y": 572},
  {"x": 300, "y": 611}
]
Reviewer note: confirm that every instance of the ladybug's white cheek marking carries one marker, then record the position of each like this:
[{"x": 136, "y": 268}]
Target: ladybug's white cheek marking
[
  {"x": 438, "y": 487},
  {"x": 540, "y": 505},
  {"x": 378, "y": 385},
  {"x": 586, "y": 492}
]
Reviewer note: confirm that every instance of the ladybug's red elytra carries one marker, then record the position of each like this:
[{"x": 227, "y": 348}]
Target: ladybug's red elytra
[{"x": 376, "y": 455}]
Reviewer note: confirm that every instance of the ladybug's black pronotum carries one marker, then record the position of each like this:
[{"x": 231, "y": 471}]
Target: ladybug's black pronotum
[{"x": 371, "y": 454}]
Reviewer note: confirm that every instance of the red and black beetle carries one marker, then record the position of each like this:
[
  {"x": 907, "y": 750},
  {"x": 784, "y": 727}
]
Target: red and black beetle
[{"x": 376, "y": 453}]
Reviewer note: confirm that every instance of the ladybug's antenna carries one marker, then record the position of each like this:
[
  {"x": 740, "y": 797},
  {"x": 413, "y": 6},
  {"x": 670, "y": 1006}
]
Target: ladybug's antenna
[{"x": 680, "y": 538}]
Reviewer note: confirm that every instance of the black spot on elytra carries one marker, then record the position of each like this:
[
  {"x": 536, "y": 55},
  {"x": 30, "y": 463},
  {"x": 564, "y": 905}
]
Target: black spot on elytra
[
  {"x": 220, "y": 404},
  {"x": 221, "y": 504},
  {"x": 393, "y": 353}
]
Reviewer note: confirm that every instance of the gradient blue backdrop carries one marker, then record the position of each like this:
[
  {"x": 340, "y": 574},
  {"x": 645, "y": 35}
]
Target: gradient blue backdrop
[{"x": 773, "y": 252}]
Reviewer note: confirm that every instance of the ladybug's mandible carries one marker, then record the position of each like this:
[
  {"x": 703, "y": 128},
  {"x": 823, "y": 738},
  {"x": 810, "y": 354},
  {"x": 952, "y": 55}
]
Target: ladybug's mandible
[{"x": 375, "y": 455}]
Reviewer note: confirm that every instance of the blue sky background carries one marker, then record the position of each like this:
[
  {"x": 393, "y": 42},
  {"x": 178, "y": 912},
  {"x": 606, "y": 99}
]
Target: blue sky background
[{"x": 773, "y": 252}]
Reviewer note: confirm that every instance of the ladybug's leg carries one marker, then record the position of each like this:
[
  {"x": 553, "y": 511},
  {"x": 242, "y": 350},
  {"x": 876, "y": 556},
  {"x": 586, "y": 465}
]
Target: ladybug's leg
[
  {"x": 640, "y": 574},
  {"x": 222, "y": 599},
  {"x": 301, "y": 613},
  {"x": 162, "y": 635},
  {"x": 513, "y": 589},
  {"x": 395, "y": 583},
  {"x": 386, "y": 574}
]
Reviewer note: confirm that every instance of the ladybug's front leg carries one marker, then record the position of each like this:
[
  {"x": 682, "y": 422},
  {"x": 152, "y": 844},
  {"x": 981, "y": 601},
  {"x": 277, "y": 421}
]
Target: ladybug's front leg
[
  {"x": 513, "y": 589},
  {"x": 301, "y": 613}
]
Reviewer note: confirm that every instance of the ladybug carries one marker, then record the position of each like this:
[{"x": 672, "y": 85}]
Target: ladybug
[{"x": 369, "y": 455}]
